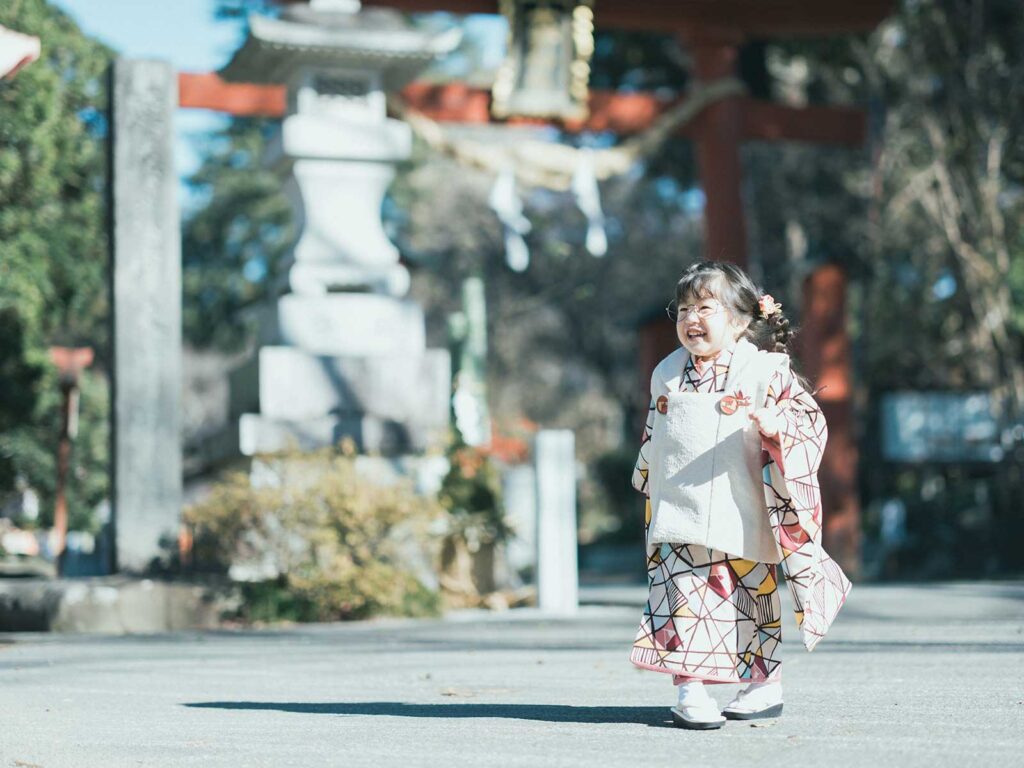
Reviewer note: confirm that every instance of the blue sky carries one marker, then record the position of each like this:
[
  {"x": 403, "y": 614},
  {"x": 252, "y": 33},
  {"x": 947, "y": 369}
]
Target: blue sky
[
  {"x": 182, "y": 32},
  {"x": 185, "y": 33}
]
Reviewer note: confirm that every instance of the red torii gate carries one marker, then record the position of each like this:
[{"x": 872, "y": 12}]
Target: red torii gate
[{"x": 712, "y": 31}]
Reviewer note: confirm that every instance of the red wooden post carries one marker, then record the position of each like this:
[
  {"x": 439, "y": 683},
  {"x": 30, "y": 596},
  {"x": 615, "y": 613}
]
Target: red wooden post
[
  {"x": 69, "y": 362},
  {"x": 60, "y": 501},
  {"x": 718, "y": 134},
  {"x": 825, "y": 353}
]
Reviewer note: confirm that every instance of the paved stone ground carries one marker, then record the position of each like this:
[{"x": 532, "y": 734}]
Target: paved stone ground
[{"x": 927, "y": 675}]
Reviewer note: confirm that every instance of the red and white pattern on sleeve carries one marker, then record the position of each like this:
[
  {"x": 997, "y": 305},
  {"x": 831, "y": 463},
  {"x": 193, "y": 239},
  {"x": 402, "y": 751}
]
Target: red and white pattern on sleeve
[
  {"x": 640, "y": 469},
  {"x": 790, "y": 463}
]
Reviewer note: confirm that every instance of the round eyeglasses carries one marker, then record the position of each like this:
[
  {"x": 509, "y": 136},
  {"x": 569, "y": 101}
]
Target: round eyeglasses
[{"x": 705, "y": 309}]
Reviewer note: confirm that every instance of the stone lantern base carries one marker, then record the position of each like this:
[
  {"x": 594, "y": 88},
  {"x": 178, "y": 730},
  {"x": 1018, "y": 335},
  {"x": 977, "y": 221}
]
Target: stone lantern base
[{"x": 342, "y": 365}]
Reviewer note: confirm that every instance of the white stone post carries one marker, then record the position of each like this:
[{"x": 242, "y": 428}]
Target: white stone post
[
  {"x": 519, "y": 491},
  {"x": 557, "y": 572}
]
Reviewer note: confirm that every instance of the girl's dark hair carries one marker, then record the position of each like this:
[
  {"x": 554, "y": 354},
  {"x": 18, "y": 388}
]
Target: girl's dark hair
[{"x": 734, "y": 288}]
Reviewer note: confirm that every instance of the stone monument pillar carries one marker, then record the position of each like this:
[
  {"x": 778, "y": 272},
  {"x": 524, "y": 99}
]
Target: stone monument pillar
[
  {"x": 342, "y": 352},
  {"x": 146, "y": 298}
]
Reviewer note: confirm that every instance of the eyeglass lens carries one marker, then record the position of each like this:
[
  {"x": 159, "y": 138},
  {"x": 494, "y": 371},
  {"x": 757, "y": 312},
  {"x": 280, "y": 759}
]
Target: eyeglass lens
[{"x": 704, "y": 309}]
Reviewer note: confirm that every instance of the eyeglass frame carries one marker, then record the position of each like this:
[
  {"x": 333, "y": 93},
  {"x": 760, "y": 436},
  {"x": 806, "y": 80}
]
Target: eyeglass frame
[{"x": 675, "y": 316}]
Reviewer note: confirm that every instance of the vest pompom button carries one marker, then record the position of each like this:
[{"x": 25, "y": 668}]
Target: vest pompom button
[
  {"x": 728, "y": 405},
  {"x": 662, "y": 404}
]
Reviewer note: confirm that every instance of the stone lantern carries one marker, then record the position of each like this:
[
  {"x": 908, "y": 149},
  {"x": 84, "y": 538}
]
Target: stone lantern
[{"x": 343, "y": 353}]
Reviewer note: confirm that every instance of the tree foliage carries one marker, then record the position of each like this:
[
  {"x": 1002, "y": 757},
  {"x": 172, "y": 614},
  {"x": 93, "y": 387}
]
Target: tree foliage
[
  {"x": 930, "y": 218},
  {"x": 234, "y": 244},
  {"x": 53, "y": 252},
  {"x": 927, "y": 222}
]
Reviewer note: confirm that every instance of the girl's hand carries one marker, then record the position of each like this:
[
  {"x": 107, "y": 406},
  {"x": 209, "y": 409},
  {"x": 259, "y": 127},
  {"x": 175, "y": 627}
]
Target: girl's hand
[{"x": 768, "y": 421}]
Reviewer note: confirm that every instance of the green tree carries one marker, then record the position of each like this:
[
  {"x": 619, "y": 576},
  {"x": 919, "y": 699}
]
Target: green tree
[
  {"x": 53, "y": 252},
  {"x": 234, "y": 244},
  {"x": 931, "y": 218}
]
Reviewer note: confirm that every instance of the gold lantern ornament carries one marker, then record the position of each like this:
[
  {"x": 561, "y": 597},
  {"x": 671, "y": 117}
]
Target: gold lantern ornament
[{"x": 546, "y": 71}]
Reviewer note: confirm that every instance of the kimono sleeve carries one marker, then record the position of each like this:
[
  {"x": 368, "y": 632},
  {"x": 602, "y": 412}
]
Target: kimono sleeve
[
  {"x": 817, "y": 584},
  {"x": 800, "y": 444},
  {"x": 642, "y": 466}
]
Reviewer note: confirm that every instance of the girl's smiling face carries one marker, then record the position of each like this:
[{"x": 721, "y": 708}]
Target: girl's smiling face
[{"x": 705, "y": 326}]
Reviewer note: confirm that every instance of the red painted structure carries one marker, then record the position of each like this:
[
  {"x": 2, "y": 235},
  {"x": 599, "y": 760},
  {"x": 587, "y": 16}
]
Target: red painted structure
[
  {"x": 208, "y": 91},
  {"x": 826, "y": 362},
  {"x": 620, "y": 113}
]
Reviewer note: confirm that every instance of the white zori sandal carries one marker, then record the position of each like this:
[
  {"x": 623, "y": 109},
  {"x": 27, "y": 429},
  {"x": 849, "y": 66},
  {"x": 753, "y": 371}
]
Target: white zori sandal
[
  {"x": 696, "y": 710},
  {"x": 756, "y": 701}
]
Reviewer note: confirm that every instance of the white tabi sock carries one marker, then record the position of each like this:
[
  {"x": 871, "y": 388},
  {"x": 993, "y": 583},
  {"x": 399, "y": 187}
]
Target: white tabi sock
[
  {"x": 694, "y": 694},
  {"x": 757, "y": 696},
  {"x": 695, "y": 705}
]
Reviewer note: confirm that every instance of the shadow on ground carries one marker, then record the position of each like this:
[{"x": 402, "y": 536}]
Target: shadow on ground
[{"x": 552, "y": 713}]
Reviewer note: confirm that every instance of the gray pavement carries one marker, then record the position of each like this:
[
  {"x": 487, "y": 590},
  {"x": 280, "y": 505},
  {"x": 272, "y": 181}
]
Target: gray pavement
[{"x": 927, "y": 675}]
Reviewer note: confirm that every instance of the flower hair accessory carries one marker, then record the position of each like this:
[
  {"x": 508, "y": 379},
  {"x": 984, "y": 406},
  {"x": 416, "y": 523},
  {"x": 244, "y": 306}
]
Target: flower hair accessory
[{"x": 768, "y": 306}]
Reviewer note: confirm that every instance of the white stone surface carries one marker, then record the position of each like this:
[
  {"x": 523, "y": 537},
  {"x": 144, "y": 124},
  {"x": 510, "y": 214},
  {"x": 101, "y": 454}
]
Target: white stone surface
[
  {"x": 380, "y": 39},
  {"x": 342, "y": 244},
  {"x": 557, "y": 574},
  {"x": 316, "y": 136},
  {"x": 519, "y": 492},
  {"x": 294, "y": 384},
  {"x": 261, "y": 434},
  {"x": 346, "y": 324},
  {"x": 338, "y": 93}
]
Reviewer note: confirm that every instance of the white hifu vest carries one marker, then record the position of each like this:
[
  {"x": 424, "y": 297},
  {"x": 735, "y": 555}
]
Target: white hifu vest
[{"x": 705, "y": 475}]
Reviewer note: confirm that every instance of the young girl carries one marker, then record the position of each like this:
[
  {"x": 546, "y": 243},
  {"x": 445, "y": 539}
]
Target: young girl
[{"x": 728, "y": 463}]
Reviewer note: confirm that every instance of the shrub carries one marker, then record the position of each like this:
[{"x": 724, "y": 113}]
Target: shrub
[{"x": 316, "y": 541}]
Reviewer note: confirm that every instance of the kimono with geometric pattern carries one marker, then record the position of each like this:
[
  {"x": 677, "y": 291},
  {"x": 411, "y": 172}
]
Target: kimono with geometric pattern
[{"x": 680, "y": 631}]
